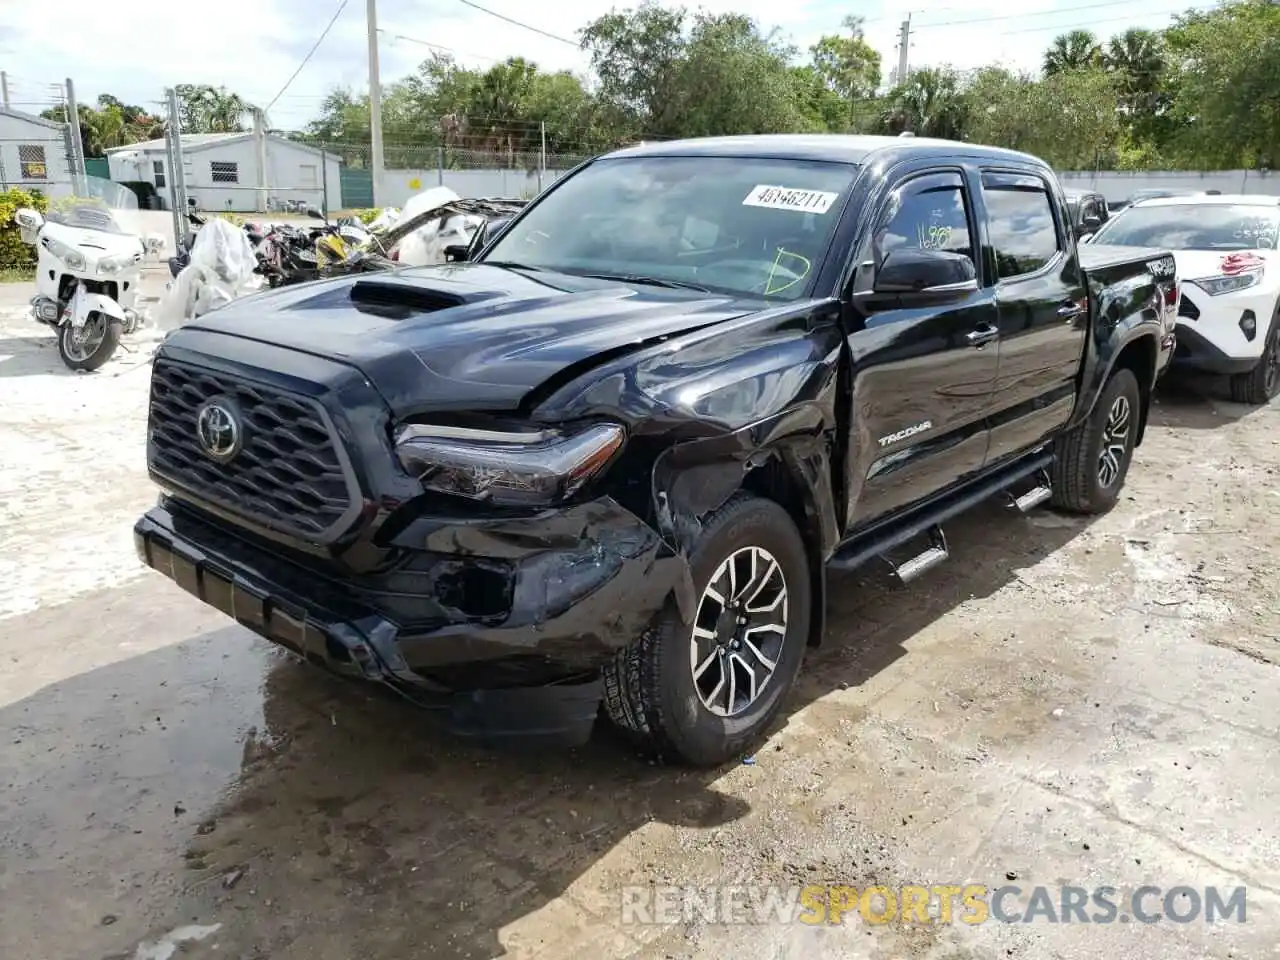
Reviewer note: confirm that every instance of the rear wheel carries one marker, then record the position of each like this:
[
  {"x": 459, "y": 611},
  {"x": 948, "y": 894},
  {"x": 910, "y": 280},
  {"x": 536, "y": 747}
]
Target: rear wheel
[
  {"x": 92, "y": 345},
  {"x": 1261, "y": 384},
  {"x": 1091, "y": 462},
  {"x": 702, "y": 693}
]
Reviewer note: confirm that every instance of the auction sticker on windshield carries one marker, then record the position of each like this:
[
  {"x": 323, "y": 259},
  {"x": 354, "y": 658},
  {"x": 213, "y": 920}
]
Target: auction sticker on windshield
[{"x": 790, "y": 198}]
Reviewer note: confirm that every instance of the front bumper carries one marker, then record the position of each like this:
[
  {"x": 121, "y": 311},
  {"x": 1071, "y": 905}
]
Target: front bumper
[
  {"x": 1195, "y": 351},
  {"x": 580, "y": 584},
  {"x": 1212, "y": 331}
]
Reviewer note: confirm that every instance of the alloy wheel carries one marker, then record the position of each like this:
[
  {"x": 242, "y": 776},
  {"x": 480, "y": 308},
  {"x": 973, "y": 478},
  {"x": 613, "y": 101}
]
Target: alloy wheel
[
  {"x": 1115, "y": 442},
  {"x": 84, "y": 343},
  {"x": 737, "y": 638}
]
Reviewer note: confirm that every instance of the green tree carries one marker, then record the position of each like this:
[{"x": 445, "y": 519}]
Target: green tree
[
  {"x": 733, "y": 79},
  {"x": 207, "y": 109},
  {"x": 112, "y": 123},
  {"x": 1072, "y": 51},
  {"x": 1068, "y": 119},
  {"x": 1225, "y": 98},
  {"x": 636, "y": 55},
  {"x": 929, "y": 103},
  {"x": 847, "y": 66}
]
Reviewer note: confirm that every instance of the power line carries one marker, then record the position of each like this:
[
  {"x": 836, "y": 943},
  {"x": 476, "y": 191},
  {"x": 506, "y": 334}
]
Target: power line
[
  {"x": 316, "y": 46},
  {"x": 503, "y": 16},
  {"x": 1068, "y": 27},
  {"x": 1060, "y": 11},
  {"x": 437, "y": 46}
]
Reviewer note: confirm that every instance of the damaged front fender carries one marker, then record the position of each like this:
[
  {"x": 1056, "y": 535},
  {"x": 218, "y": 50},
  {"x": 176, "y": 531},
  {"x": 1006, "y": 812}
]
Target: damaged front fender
[{"x": 749, "y": 405}]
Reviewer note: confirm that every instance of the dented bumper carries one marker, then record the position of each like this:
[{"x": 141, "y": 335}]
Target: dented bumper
[{"x": 502, "y": 623}]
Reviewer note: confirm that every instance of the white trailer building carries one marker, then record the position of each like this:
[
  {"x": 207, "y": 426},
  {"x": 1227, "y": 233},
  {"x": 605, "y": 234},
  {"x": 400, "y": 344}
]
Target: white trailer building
[
  {"x": 222, "y": 171},
  {"x": 34, "y": 154}
]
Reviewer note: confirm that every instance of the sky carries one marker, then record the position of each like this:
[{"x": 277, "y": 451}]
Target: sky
[{"x": 254, "y": 46}]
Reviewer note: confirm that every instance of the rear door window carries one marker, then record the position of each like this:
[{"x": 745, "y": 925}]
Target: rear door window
[{"x": 1021, "y": 223}]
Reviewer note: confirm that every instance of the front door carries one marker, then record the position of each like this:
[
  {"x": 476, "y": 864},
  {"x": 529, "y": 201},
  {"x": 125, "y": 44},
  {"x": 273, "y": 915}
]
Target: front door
[
  {"x": 1043, "y": 309},
  {"x": 921, "y": 377}
]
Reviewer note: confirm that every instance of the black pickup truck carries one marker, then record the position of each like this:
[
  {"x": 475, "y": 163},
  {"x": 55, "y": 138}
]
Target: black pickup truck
[{"x": 607, "y": 461}]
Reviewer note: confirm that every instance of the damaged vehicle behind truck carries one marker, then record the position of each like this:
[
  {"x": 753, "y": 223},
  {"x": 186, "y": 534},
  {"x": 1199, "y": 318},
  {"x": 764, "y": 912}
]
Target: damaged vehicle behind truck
[{"x": 605, "y": 464}]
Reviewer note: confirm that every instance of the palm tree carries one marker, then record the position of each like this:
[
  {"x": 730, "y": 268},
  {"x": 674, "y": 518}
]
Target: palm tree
[
  {"x": 206, "y": 109},
  {"x": 1136, "y": 57},
  {"x": 929, "y": 104},
  {"x": 1071, "y": 51}
]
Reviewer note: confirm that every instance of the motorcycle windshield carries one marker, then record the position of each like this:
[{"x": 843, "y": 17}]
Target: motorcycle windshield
[{"x": 98, "y": 204}]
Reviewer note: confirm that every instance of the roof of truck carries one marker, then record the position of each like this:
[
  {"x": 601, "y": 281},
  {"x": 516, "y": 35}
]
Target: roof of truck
[{"x": 834, "y": 147}]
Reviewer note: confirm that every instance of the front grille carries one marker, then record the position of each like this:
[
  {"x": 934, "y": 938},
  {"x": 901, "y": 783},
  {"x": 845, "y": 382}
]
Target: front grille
[
  {"x": 1188, "y": 309},
  {"x": 287, "y": 476}
]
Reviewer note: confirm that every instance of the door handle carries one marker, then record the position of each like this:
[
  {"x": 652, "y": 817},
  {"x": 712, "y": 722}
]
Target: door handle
[
  {"x": 1070, "y": 309},
  {"x": 982, "y": 336}
]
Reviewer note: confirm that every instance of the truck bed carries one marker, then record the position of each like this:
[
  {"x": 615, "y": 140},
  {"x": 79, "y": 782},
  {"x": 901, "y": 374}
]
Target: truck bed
[{"x": 1095, "y": 258}]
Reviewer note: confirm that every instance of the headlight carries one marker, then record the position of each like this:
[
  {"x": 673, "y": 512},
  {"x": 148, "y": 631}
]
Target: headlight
[
  {"x": 115, "y": 264},
  {"x": 1217, "y": 286},
  {"x": 517, "y": 469},
  {"x": 72, "y": 257}
]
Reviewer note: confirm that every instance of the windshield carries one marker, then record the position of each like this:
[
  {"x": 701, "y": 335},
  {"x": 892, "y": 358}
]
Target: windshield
[
  {"x": 742, "y": 226},
  {"x": 86, "y": 215},
  {"x": 98, "y": 204},
  {"x": 1194, "y": 227}
]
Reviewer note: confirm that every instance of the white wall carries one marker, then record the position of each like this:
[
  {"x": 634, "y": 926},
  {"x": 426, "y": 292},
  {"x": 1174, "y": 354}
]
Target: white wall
[
  {"x": 1118, "y": 185},
  {"x": 399, "y": 185},
  {"x": 285, "y": 175},
  {"x": 16, "y": 132}
]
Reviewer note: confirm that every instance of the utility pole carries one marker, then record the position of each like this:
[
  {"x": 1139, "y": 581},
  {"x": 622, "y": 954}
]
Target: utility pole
[
  {"x": 260, "y": 152},
  {"x": 904, "y": 44},
  {"x": 177, "y": 172},
  {"x": 77, "y": 145},
  {"x": 542, "y": 157},
  {"x": 4, "y": 89},
  {"x": 375, "y": 102}
]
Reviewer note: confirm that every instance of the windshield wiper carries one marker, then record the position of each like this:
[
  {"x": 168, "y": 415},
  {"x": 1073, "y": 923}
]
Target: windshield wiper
[
  {"x": 512, "y": 265},
  {"x": 648, "y": 281}
]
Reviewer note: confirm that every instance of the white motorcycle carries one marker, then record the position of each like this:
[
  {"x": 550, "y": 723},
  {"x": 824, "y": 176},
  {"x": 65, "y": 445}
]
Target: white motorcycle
[{"x": 87, "y": 275}]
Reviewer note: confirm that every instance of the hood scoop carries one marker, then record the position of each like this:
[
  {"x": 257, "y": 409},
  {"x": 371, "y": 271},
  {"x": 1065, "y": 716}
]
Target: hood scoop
[{"x": 398, "y": 299}]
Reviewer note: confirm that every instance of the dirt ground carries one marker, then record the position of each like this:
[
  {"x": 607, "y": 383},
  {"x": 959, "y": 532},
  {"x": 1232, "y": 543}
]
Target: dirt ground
[{"x": 1064, "y": 703}]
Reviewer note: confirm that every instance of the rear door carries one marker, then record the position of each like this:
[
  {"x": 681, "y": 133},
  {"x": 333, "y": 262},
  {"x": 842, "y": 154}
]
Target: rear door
[
  {"x": 922, "y": 377},
  {"x": 1042, "y": 307}
]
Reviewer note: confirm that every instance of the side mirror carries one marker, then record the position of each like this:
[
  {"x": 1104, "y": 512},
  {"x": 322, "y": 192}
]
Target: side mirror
[
  {"x": 28, "y": 219},
  {"x": 484, "y": 233},
  {"x": 926, "y": 276},
  {"x": 314, "y": 214},
  {"x": 1090, "y": 224},
  {"x": 457, "y": 253}
]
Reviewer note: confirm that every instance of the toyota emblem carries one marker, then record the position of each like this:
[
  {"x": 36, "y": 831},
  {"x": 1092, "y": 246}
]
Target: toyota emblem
[{"x": 218, "y": 430}]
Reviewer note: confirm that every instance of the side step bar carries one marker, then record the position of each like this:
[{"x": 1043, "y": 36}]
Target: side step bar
[
  {"x": 923, "y": 562},
  {"x": 1037, "y": 495},
  {"x": 878, "y": 541}
]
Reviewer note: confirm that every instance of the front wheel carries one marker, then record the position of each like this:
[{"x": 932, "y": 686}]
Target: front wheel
[
  {"x": 701, "y": 693},
  {"x": 92, "y": 345},
  {"x": 1261, "y": 384},
  {"x": 1091, "y": 462}
]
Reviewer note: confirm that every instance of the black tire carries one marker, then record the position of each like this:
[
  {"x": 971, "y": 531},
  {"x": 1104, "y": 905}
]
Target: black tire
[
  {"x": 1077, "y": 475},
  {"x": 650, "y": 692},
  {"x": 1261, "y": 384},
  {"x": 106, "y": 349}
]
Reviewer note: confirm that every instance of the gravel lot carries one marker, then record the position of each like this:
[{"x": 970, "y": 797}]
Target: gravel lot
[{"x": 1090, "y": 704}]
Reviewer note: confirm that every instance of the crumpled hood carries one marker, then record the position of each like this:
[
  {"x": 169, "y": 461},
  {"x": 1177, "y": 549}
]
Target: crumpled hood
[{"x": 465, "y": 336}]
